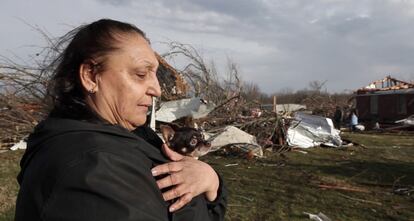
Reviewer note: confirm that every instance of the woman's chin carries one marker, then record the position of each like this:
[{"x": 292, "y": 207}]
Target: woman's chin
[{"x": 139, "y": 121}]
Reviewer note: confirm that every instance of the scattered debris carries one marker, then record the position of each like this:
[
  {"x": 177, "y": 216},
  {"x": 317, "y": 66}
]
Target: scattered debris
[
  {"x": 407, "y": 121},
  {"x": 405, "y": 191},
  {"x": 246, "y": 198},
  {"x": 245, "y": 135},
  {"x": 349, "y": 143},
  {"x": 237, "y": 125},
  {"x": 284, "y": 108},
  {"x": 231, "y": 165},
  {"x": 319, "y": 217},
  {"x": 404, "y": 124},
  {"x": 300, "y": 151},
  {"x": 273, "y": 164},
  {"x": 361, "y": 200},
  {"x": 19, "y": 146},
  {"x": 335, "y": 187},
  {"x": 359, "y": 127}
]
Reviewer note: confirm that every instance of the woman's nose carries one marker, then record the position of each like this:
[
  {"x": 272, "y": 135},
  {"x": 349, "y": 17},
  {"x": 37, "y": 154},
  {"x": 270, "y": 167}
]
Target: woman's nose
[{"x": 154, "y": 88}]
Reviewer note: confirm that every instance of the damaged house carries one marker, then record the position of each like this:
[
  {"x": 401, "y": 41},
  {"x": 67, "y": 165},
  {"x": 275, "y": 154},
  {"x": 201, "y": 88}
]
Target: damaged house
[
  {"x": 173, "y": 84},
  {"x": 386, "y": 100}
]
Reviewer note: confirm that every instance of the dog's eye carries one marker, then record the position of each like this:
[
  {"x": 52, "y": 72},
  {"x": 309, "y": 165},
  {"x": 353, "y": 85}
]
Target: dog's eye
[{"x": 193, "y": 142}]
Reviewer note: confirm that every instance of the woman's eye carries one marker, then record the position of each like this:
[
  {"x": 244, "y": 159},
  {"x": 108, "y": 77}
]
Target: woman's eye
[{"x": 141, "y": 74}]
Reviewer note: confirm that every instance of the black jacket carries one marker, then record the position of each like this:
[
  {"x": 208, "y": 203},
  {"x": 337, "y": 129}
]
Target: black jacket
[{"x": 77, "y": 170}]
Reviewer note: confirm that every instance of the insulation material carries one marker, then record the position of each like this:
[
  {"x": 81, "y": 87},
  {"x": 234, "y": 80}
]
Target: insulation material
[{"x": 190, "y": 107}]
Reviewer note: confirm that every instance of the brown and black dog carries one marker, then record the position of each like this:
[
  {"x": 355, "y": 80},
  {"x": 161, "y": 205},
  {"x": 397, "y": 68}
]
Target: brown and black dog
[{"x": 185, "y": 140}]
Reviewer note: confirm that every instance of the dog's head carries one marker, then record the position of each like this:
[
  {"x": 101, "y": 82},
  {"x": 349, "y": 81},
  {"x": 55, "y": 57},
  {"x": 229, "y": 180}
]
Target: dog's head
[{"x": 185, "y": 140}]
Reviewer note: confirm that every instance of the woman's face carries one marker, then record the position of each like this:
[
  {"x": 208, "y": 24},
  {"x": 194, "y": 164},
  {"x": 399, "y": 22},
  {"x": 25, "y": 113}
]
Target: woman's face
[{"x": 128, "y": 82}]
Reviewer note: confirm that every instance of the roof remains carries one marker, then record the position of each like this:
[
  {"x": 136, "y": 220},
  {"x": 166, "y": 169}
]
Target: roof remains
[{"x": 386, "y": 84}]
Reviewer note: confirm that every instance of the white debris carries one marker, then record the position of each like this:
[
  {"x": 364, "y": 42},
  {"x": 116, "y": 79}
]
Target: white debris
[
  {"x": 191, "y": 107},
  {"x": 407, "y": 121},
  {"x": 359, "y": 127},
  {"x": 22, "y": 145},
  {"x": 289, "y": 107},
  {"x": 234, "y": 136},
  {"x": 318, "y": 217},
  {"x": 280, "y": 108}
]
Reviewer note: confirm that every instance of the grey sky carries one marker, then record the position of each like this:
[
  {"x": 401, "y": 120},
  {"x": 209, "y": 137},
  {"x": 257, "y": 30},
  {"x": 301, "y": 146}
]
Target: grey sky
[{"x": 277, "y": 44}]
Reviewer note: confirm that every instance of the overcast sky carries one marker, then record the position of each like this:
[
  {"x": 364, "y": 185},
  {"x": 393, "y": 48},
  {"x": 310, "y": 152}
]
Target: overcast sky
[{"x": 277, "y": 44}]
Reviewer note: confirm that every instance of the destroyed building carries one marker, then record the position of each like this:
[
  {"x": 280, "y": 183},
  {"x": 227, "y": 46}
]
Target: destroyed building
[
  {"x": 386, "y": 100},
  {"x": 173, "y": 85}
]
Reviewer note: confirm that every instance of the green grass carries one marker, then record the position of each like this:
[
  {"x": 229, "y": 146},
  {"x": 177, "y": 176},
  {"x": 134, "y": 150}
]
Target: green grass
[
  {"x": 7, "y": 215},
  {"x": 283, "y": 187},
  {"x": 9, "y": 167}
]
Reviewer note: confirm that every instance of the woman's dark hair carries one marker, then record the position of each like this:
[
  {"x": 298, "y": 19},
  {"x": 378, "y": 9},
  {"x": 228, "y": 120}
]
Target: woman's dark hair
[{"x": 86, "y": 43}]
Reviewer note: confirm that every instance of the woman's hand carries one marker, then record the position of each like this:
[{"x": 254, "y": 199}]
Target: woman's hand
[{"x": 189, "y": 178}]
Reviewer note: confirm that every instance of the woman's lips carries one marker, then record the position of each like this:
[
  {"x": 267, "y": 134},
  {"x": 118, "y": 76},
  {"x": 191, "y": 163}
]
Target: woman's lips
[{"x": 143, "y": 107}]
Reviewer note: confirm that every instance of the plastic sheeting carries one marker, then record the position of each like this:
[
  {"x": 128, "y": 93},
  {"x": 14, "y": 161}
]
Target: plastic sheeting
[
  {"x": 309, "y": 131},
  {"x": 192, "y": 107}
]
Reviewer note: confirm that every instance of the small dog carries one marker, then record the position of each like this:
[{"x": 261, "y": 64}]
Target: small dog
[{"x": 185, "y": 140}]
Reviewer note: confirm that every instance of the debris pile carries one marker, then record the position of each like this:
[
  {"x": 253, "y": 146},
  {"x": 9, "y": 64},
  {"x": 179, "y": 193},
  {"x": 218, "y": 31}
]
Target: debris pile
[
  {"x": 247, "y": 133},
  {"x": 231, "y": 127},
  {"x": 17, "y": 119},
  {"x": 227, "y": 112}
]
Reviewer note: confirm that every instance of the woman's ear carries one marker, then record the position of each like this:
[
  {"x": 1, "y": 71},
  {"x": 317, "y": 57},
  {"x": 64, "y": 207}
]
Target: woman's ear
[{"x": 88, "y": 78}]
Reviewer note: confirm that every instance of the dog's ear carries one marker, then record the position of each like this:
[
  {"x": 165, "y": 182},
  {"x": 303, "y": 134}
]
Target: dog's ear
[
  {"x": 167, "y": 132},
  {"x": 189, "y": 122}
]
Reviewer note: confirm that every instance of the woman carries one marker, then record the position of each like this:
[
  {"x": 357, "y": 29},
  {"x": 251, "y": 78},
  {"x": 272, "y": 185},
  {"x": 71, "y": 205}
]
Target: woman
[
  {"x": 353, "y": 120},
  {"x": 86, "y": 162}
]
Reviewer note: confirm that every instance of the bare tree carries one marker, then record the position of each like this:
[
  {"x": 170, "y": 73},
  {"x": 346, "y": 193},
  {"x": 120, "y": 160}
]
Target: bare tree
[
  {"x": 317, "y": 86},
  {"x": 23, "y": 88},
  {"x": 204, "y": 79}
]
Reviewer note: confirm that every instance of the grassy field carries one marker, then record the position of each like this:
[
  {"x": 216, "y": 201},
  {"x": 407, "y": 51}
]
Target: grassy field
[
  {"x": 281, "y": 187},
  {"x": 9, "y": 167}
]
